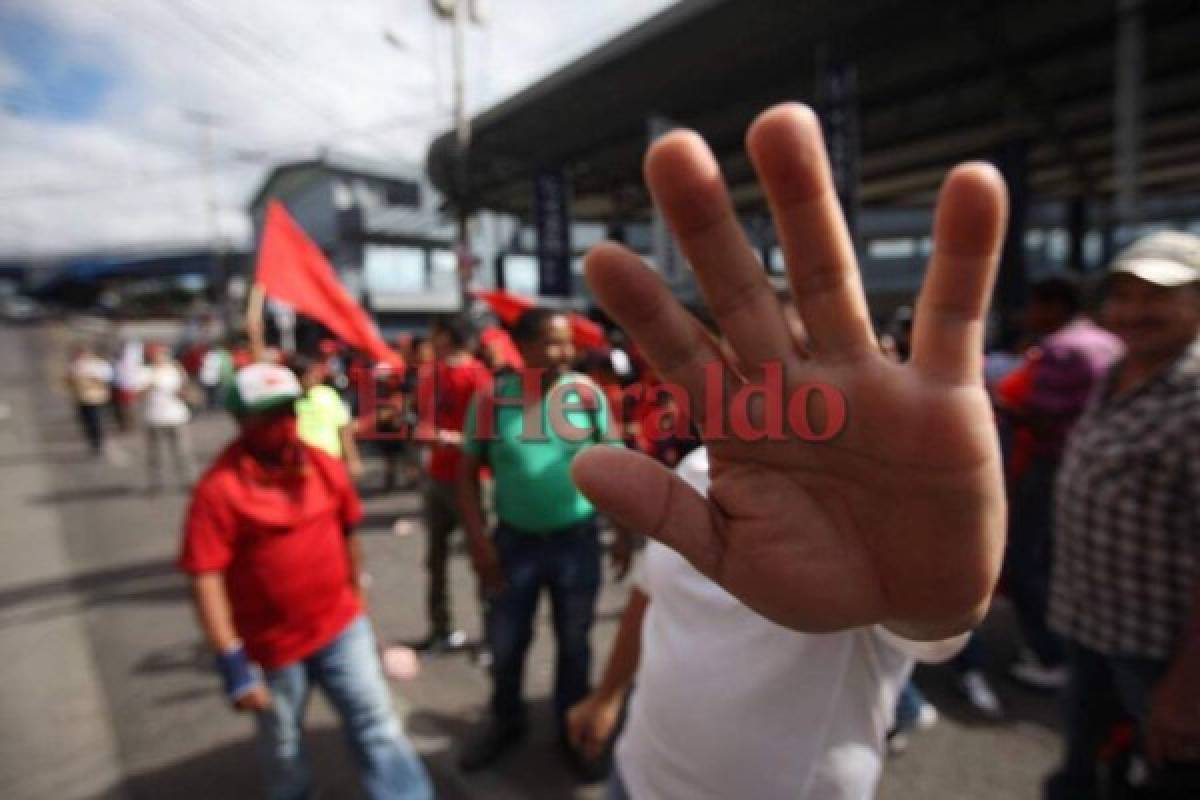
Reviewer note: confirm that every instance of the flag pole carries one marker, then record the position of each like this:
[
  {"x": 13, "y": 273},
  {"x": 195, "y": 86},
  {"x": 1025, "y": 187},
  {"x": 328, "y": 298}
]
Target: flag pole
[{"x": 255, "y": 329}]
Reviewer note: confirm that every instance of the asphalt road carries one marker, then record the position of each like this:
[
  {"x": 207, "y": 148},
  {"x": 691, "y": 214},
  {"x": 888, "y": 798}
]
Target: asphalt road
[{"x": 107, "y": 691}]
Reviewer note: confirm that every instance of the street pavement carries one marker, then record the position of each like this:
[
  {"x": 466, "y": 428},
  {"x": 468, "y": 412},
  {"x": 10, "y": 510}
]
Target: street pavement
[{"x": 108, "y": 692}]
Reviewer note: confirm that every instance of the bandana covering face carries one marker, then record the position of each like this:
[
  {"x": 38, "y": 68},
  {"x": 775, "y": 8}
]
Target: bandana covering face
[{"x": 276, "y": 454}]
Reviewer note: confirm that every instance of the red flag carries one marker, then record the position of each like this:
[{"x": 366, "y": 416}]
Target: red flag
[
  {"x": 501, "y": 344},
  {"x": 509, "y": 307},
  {"x": 291, "y": 268}
]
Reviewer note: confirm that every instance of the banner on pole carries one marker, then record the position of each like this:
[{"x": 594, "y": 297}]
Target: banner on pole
[
  {"x": 552, "y": 220},
  {"x": 838, "y": 89}
]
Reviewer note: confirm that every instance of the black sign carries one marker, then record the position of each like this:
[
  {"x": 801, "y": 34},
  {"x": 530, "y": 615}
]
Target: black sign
[{"x": 552, "y": 219}]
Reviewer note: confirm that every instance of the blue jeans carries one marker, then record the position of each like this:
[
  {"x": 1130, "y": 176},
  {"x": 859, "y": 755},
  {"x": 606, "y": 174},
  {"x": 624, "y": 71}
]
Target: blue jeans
[
  {"x": 348, "y": 671},
  {"x": 1102, "y": 691},
  {"x": 567, "y": 564},
  {"x": 909, "y": 703}
]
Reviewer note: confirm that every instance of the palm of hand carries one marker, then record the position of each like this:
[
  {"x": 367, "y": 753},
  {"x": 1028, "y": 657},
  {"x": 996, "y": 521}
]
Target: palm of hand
[
  {"x": 898, "y": 519},
  {"x": 829, "y": 535}
]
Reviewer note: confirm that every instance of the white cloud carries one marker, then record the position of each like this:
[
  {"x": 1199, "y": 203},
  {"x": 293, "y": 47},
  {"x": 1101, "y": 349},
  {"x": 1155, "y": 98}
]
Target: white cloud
[{"x": 280, "y": 78}]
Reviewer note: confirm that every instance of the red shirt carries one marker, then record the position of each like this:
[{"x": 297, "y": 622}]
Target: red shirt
[
  {"x": 447, "y": 390},
  {"x": 282, "y": 550},
  {"x": 1015, "y": 389}
]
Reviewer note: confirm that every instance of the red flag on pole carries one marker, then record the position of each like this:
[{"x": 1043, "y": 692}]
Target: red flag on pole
[
  {"x": 509, "y": 307},
  {"x": 291, "y": 268}
]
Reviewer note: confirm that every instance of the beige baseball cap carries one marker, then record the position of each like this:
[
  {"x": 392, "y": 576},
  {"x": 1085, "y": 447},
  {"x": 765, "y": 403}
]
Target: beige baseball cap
[{"x": 1166, "y": 258}]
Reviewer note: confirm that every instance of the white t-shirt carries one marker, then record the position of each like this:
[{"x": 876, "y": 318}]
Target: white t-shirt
[
  {"x": 163, "y": 407},
  {"x": 728, "y": 704},
  {"x": 129, "y": 366}
]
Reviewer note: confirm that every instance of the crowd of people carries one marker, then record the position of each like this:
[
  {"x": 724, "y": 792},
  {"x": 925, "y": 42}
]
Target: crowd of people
[{"x": 825, "y": 574}]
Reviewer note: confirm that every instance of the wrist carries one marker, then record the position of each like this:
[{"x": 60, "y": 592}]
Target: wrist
[
  {"x": 607, "y": 695},
  {"x": 239, "y": 675}
]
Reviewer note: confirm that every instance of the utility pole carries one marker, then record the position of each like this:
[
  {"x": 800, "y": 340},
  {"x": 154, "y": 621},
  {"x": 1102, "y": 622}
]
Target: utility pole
[{"x": 458, "y": 12}]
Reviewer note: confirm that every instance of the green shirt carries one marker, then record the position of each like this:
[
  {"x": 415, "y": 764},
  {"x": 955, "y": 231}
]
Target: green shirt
[
  {"x": 320, "y": 417},
  {"x": 532, "y": 473}
]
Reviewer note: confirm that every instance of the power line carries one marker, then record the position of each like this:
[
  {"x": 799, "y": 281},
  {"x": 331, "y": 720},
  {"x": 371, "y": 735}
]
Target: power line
[
  {"x": 242, "y": 157},
  {"x": 197, "y": 23}
]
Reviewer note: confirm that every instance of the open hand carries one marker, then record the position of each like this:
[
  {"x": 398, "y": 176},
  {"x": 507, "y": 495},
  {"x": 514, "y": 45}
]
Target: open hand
[{"x": 899, "y": 519}]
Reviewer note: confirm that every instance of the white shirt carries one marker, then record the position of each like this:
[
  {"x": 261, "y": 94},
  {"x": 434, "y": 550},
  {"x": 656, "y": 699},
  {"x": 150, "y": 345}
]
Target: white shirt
[
  {"x": 210, "y": 367},
  {"x": 728, "y": 704},
  {"x": 129, "y": 366},
  {"x": 163, "y": 407}
]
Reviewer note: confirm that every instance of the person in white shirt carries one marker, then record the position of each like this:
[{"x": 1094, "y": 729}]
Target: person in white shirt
[
  {"x": 89, "y": 380},
  {"x": 877, "y": 517},
  {"x": 165, "y": 415},
  {"x": 810, "y": 710},
  {"x": 127, "y": 379}
]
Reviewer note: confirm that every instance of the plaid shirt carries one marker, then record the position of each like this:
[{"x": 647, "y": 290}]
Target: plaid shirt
[{"x": 1127, "y": 517}]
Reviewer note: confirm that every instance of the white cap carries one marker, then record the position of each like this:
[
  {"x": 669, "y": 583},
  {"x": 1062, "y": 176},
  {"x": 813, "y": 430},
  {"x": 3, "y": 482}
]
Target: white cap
[{"x": 1166, "y": 258}]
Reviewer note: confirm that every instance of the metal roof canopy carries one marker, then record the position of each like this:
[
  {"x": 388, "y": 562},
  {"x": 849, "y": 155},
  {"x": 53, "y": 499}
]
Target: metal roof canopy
[{"x": 938, "y": 82}]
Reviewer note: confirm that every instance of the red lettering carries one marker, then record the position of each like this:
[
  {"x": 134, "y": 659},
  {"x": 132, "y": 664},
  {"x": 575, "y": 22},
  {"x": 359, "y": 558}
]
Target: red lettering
[
  {"x": 834, "y": 403},
  {"x": 770, "y": 407}
]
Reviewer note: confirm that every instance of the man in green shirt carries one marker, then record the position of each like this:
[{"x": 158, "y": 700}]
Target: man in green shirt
[{"x": 528, "y": 431}]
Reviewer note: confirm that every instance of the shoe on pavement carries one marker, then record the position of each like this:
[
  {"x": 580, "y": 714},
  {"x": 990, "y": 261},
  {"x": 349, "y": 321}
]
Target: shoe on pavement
[
  {"x": 442, "y": 642},
  {"x": 1036, "y": 676},
  {"x": 927, "y": 717},
  {"x": 496, "y": 739},
  {"x": 980, "y": 695}
]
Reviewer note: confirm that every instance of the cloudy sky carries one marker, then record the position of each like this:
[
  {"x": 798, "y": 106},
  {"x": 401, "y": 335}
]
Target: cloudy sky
[{"x": 105, "y": 105}]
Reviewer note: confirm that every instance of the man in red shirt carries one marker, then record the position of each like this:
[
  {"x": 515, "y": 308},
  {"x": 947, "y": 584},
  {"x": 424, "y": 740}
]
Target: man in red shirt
[
  {"x": 269, "y": 544},
  {"x": 444, "y": 391}
]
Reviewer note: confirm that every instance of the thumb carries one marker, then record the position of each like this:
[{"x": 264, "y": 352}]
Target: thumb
[{"x": 642, "y": 495}]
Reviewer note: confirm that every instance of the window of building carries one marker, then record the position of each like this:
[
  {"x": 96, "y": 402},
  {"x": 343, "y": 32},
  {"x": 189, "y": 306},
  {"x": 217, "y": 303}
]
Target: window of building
[
  {"x": 884, "y": 249},
  {"x": 402, "y": 193},
  {"x": 1058, "y": 245},
  {"x": 393, "y": 269},
  {"x": 443, "y": 273},
  {"x": 521, "y": 273}
]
